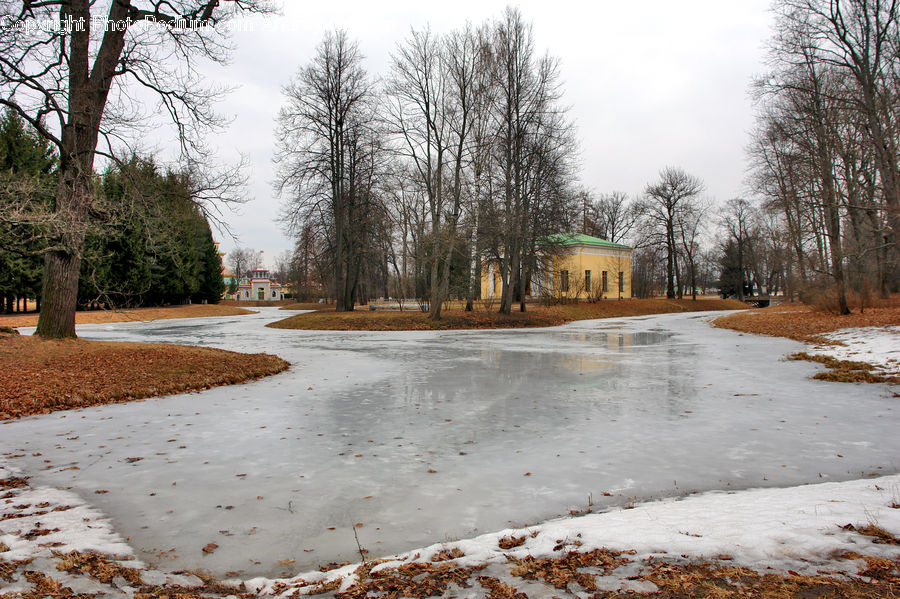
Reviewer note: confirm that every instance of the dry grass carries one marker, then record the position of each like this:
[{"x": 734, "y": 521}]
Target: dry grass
[
  {"x": 805, "y": 323},
  {"x": 97, "y": 566},
  {"x": 416, "y": 321},
  {"x": 845, "y": 371},
  {"x": 879, "y": 534},
  {"x": 308, "y": 306},
  {"x": 135, "y": 314},
  {"x": 41, "y": 376},
  {"x": 709, "y": 579},
  {"x": 569, "y": 573},
  {"x": 537, "y": 316}
]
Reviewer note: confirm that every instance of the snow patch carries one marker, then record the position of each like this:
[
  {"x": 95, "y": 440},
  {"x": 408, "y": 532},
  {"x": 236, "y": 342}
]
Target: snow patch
[
  {"x": 879, "y": 346},
  {"x": 73, "y": 525},
  {"x": 797, "y": 528}
]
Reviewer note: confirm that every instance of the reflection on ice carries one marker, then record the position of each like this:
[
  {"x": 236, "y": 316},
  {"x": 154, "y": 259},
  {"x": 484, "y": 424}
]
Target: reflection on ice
[{"x": 425, "y": 436}]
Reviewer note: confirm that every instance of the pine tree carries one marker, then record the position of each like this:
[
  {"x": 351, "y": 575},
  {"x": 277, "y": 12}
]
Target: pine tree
[{"x": 27, "y": 174}]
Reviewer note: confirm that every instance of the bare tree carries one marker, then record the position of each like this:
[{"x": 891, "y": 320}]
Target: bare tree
[
  {"x": 664, "y": 202},
  {"x": 737, "y": 220},
  {"x": 691, "y": 222},
  {"x": 431, "y": 100},
  {"x": 71, "y": 82},
  {"x": 826, "y": 154},
  {"x": 859, "y": 38},
  {"x": 533, "y": 159},
  {"x": 328, "y": 155},
  {"x": 612, "y": 216},
  {"x": 241, "y": 261}
]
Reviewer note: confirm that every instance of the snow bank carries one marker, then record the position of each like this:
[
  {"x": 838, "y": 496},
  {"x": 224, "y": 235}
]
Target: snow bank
[
  {"x": 71, "y": 524},
  {"x": 879, "y": 346},
  {"x": 797, "y": 528}
]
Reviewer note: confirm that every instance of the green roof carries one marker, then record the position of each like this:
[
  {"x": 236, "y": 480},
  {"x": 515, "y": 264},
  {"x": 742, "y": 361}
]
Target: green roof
[{"x": 582, "y": 239}]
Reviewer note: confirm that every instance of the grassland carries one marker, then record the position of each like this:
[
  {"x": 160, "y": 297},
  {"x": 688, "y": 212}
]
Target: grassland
[
  {"x": 41, "y": 376},
  {"x": 455, "y": 318},
  {"x": 133, "y": 314}
]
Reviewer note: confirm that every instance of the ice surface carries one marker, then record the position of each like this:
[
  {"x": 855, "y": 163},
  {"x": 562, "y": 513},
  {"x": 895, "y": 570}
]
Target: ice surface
[{"x": 429, "y": 436}]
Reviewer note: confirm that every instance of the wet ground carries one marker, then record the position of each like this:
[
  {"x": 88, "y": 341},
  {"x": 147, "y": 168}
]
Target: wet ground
[{"x": 409, "y": 438}]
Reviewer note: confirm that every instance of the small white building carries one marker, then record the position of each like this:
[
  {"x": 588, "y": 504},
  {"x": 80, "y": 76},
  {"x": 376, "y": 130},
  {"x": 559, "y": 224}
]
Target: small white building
[{"x": 260, "y": 287}]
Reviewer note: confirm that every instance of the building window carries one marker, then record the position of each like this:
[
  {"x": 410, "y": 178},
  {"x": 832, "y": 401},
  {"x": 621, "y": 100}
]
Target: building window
[
  {"x": 247, "y": 294},
  {"x": 587, "y": 281},
  {"x": 564, "y": 281},
  {"x": 605, "y": 281},
  {"x": 273, "y": 293},
  {"x": 621, "y": 282}
]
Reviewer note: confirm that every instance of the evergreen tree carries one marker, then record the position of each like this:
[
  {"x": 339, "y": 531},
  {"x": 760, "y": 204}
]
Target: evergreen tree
[
  {"x": 731, "y": 279},
  {"x": 212, "y": 286},
  {"x": 158, "y": 248},
  {"x": 27, "y": 176}
]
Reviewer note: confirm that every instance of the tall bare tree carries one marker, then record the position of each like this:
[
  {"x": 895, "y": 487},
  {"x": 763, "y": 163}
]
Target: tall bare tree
[
  {"x": 241, "y": 261},
  {"x": 611, "y": 216},
  {"x": 859, "y": 38},
  {"x": 533, "y": 158},
  {"x": 431, "y": 98},
  {"x": 71, "y": 82},
  {"x": 327, "y": 156},
  {"x": 826, "y": 152},
  {"x": 691, "y": 223},
  {"x": 737, "y": 220},
  {"x": 664, "y": 203}
]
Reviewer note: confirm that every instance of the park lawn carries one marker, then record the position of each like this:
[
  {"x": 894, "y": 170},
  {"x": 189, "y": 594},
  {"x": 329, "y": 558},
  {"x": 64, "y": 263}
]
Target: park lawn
[
  {"x": 535, "y": 316},
  {"x": 807, "y": 323},
  {"x": 132, "y": 314},
  {"x": 41, "y": 376},
  {"x": 308, "y": 306}
]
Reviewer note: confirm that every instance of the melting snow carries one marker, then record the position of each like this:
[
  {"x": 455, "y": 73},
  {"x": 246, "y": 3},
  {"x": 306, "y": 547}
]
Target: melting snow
[{"x": 879, "y": 346}]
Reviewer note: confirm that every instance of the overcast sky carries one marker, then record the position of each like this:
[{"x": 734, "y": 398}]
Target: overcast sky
[{"x": 649, "y": 84}]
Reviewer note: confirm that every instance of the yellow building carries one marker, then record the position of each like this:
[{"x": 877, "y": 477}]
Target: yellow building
[{"x": 582, "y": 267}]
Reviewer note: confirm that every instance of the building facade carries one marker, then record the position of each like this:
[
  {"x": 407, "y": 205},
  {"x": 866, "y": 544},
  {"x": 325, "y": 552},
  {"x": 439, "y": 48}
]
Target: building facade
[
  {"x": 260, "y": 287},
  {"x": 580, "y": 267}
]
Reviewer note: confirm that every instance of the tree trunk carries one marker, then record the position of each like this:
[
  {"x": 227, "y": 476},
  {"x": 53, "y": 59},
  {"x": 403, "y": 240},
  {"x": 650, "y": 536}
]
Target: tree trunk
[
  {"x": 60, "y": 292},
  {"x": 508, "y": 279},
  {"x": 435, "y": 297},
  {"x": 670, "y": 262},
  {"x": 62, "y": 267},
  {"x": 693, "y": 280},
  {"x": 833, "y": 226},
  {"x": 525, "y": 283}
]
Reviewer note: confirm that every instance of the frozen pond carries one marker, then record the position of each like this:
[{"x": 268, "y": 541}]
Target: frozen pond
[{"x": 411, "y": 438}]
